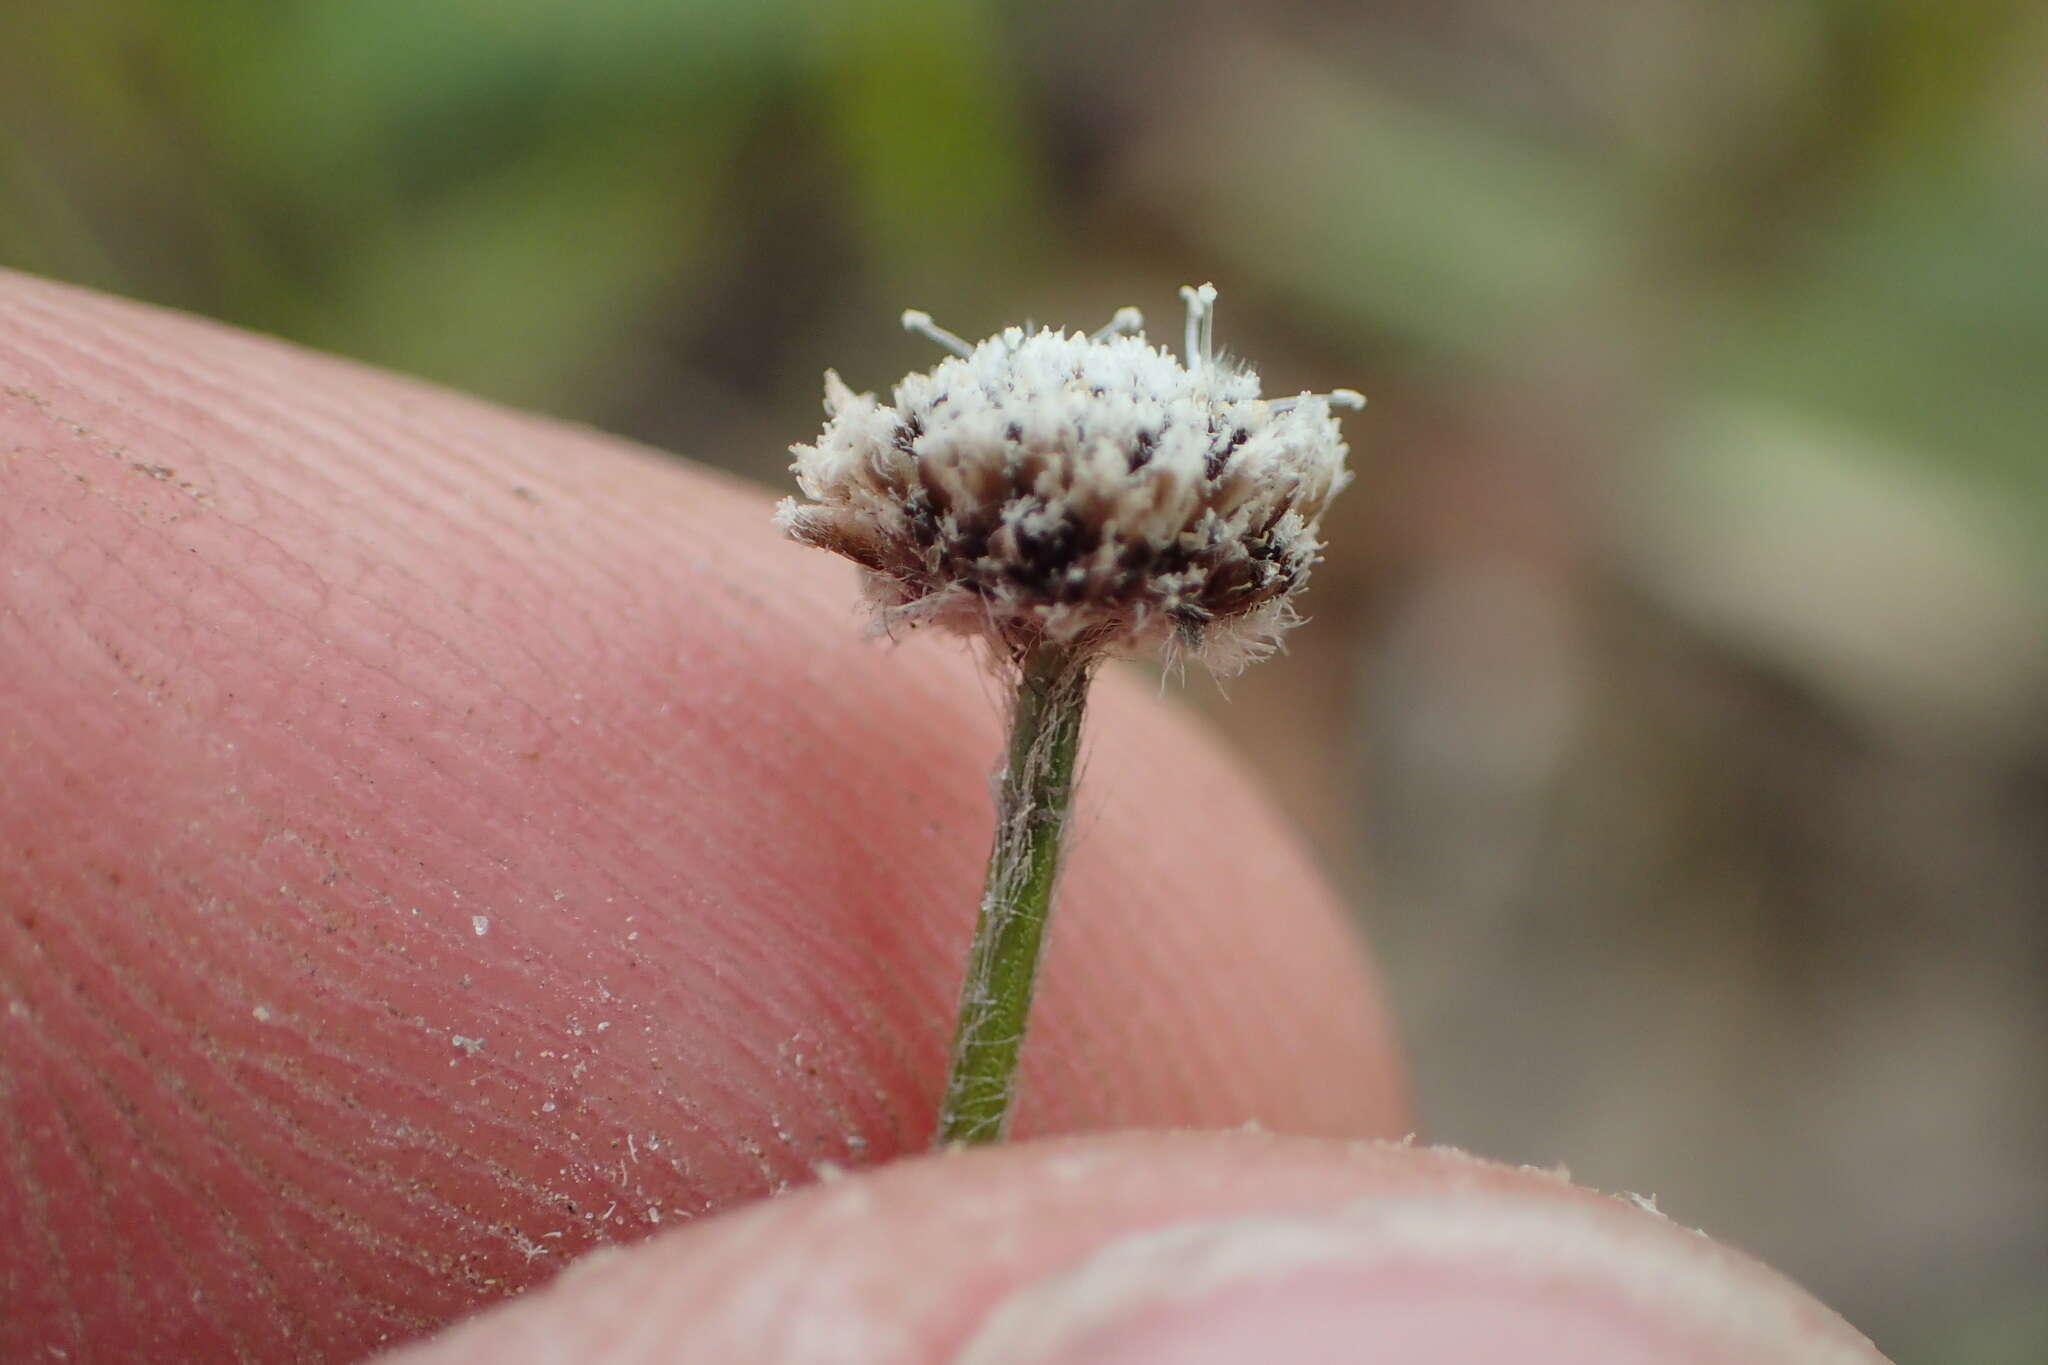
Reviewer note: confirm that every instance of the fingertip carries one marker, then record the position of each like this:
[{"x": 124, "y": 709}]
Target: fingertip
[{"x": 1179, "y": 1248}]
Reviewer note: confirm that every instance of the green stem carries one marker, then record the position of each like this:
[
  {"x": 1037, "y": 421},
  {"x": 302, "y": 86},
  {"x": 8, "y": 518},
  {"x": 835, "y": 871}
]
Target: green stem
[{"x": 1023, "y": 864}]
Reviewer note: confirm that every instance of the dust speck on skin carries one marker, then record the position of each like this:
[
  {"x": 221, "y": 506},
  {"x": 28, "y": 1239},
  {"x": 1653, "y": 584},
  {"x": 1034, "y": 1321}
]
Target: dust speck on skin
[
  {"x": 261, "y": 1014},
  {"x": 480, "y": 923},
  {"x": 1070, "y": 1169},
  {"x": 849, "y": 1201},
  {"x": 472, "y": 1046}
]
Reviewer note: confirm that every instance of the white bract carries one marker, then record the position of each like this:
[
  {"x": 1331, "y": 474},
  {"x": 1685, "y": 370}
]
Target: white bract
[{"x": 1090, "y": 491}]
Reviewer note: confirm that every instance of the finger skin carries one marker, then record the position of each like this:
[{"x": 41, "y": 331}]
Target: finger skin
[
  {"x": 905, "y": 1265},
  {"x": 436, "y": 841}
]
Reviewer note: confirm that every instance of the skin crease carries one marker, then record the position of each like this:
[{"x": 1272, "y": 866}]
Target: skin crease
[{"x": 436, "y": 842}]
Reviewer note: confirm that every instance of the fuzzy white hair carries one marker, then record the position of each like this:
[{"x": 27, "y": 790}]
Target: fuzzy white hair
[{"x": 1092, "y": 491}]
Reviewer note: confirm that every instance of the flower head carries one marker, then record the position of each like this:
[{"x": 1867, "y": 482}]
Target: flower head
[{"x": 1095, "y": 491}]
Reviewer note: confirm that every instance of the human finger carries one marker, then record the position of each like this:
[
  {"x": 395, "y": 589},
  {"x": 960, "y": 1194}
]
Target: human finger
[
  {"x": 438, "y": 841},
  {"x": 1173, "y": 1249}
]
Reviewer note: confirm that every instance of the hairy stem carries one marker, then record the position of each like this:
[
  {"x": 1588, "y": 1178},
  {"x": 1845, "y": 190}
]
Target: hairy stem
[{"x": 1009, "y": 935}]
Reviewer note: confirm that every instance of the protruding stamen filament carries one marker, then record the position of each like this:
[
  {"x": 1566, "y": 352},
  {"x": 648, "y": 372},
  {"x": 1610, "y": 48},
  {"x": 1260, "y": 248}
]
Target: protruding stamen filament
[
  {"x": 1127, "y": 322},
  {"x": 1200, "y": 340},
  {"x": 1336, "y": 398},
  {"x": 921, "y": 322}
]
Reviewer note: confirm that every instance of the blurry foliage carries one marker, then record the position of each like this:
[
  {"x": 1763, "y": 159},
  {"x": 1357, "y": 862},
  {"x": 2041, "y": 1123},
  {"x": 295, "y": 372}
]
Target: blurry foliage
[
  {"x": 501, "y": 194},
  {"x": 1744, "y": 302},
  {"x": 1836, "y": 204}
]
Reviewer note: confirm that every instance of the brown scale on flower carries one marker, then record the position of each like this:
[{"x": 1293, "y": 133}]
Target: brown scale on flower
[{"x": 1091, "y": 491}]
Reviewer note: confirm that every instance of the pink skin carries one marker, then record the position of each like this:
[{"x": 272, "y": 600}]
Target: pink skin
[
  {"x": 904, "y": 1266},
  {"x": 435, "y": 842}
]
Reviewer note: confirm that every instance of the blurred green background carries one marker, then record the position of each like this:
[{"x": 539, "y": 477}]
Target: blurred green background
[{"x": 1677, "y": 705}]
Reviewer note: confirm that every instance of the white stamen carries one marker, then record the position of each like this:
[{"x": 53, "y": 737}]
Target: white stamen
[
  {"x": 1192, "y": 339},
  {"x": 1201, "y": 333},
  {"x": 1127, "y": 322},
  {"x": 920, "y": 322},
  {"x": 1336, "y": 398},
  {"x": 1208, "y": 293}
]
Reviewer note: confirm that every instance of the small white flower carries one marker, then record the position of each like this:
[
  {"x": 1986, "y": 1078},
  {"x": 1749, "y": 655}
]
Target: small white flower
[{"x": 1091, "y": 491}]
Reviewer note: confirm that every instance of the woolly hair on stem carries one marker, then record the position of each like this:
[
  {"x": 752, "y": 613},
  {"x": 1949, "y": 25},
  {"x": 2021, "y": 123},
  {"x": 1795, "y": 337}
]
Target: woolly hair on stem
[
  {"x": 1034, "y": 799},
  {"x": 1063, "y": 498}
]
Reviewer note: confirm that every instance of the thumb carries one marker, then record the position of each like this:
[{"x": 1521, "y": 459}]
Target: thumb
[{"x": 1172, "y": 1249}]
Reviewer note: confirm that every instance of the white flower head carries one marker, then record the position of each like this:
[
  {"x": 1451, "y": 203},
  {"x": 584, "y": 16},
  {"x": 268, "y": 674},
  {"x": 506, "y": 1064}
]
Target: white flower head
[{"x": 1097, "y": 492}]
